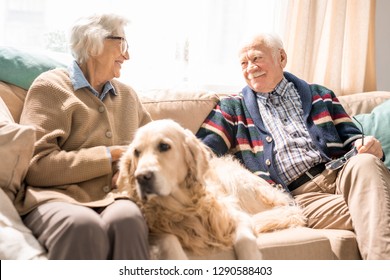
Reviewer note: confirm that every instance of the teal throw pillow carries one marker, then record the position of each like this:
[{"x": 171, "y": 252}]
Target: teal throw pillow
[
  {"x": 377, "y": 124},
  {"x": 20, "y": 68}
]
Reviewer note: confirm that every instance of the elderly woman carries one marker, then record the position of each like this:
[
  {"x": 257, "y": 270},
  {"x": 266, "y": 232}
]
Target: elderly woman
[{"x": 83, "y": 119}]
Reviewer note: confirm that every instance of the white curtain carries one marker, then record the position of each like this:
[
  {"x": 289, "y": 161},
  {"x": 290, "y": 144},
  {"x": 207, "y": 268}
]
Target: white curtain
[
  {"x": 331, "y": 42},
  {"x": 220, "y": 27},
  {"x": 194, "y": 43}
]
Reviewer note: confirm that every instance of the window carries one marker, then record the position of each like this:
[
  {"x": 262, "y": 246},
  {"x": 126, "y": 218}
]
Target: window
[{"x": 172, "y": 43}]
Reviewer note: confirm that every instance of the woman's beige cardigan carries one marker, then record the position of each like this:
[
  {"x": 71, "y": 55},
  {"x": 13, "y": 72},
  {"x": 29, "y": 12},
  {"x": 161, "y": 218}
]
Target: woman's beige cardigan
[{"x": 74, "y": 128}]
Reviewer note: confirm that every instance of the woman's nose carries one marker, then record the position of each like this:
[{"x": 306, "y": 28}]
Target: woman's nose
[{"x": 126, "y": 55}]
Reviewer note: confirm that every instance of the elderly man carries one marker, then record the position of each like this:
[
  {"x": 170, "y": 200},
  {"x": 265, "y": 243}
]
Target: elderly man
[{"x": 297, "y": 136}]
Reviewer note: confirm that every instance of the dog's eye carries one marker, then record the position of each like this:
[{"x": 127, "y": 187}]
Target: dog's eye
[
  {"x": 136, "y": 153},
  {"x": 163, "y": 147}
]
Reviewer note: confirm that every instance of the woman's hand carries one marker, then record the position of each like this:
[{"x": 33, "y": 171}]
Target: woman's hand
[
  {"x": 114, "y": 179},
  {"x": 116, "y": 153},
  {"x": 371, "y": 146}
]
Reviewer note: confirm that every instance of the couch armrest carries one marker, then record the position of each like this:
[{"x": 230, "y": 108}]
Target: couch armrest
[{"x": 13, "y": 96}]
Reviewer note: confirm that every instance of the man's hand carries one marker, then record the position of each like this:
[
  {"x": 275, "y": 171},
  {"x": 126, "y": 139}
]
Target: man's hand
[{"x": 371, "y": 146}]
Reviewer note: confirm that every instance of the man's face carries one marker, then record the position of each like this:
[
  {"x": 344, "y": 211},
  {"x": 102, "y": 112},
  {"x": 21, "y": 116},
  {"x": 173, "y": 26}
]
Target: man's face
[{"x": 262, "y": 69}]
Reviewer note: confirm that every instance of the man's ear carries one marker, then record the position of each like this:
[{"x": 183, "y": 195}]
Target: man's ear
[{"x": 282, "y": 58}]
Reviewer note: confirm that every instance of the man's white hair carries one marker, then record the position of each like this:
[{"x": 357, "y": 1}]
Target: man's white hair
[{"x": 270, "y": 40}]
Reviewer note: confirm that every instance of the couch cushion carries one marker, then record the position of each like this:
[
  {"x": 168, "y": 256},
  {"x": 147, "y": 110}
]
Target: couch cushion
[
  {"x": 187, "y": 108},
  {"x": 295, "y": 243},
  {"x": 20, "y": 67},
  {"x": 308, "y": 244},
  {"x": 363, "y": 103},
  {"x": 343, "y": 243},
  {"x": 377, "y": 123},
  {"x": 301, "y": 244}
]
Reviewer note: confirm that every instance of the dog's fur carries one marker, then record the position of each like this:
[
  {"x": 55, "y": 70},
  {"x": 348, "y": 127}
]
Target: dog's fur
[{"x": 195, "y": 201}]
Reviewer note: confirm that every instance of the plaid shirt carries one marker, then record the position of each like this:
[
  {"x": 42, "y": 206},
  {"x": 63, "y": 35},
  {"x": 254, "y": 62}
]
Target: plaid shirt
[
  {"x": 282, "y": 113},
  {"x": 237, "y": 126}
]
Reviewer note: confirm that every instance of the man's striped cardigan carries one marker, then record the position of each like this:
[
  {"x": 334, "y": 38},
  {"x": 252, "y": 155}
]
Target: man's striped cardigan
[{"x": 235, "y": 125}]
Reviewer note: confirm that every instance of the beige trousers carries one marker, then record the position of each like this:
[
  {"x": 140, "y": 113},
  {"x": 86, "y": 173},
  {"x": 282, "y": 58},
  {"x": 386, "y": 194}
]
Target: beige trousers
[{"x": 356, "y": 197}]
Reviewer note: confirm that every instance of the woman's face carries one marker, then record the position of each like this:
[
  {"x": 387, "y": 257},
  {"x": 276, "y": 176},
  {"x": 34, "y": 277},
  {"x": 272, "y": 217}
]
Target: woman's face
[{"x": 109, "y": 63}]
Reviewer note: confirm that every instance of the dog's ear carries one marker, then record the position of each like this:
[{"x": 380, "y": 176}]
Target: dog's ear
[
  {"x": 126, "y": 180},
  {"x": 197, "y": 157}
]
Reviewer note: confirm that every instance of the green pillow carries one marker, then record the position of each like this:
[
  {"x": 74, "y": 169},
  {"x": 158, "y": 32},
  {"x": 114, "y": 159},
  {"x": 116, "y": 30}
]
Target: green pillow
[
  {"x": 377, "y": 124},
  {"x": 20, "y": 68}
]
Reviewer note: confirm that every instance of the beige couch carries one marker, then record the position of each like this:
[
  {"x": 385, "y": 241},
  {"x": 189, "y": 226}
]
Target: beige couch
[{"x": 190, "y": 108}]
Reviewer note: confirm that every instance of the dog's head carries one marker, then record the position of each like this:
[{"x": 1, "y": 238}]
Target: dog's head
[{"x": 162, "y": 158}]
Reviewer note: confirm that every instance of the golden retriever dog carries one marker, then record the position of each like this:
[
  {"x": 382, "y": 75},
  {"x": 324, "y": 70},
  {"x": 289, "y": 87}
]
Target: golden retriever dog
[{"x": 196, "y": 202}]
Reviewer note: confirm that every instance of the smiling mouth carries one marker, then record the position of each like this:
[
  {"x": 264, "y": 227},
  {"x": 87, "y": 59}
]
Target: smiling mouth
[{"x": 256, "y": 75}]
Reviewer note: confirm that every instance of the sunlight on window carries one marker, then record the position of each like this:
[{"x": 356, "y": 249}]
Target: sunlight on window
[{"x": 173, "y": 43}]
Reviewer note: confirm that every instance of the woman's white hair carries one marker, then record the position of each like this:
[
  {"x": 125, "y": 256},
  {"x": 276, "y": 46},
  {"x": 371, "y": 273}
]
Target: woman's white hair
[{"x": 88, "y": 33}]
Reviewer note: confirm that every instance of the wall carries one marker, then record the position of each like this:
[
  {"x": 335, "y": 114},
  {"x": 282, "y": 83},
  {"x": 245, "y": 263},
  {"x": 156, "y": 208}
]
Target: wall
[{"x": 383, "y": 44}]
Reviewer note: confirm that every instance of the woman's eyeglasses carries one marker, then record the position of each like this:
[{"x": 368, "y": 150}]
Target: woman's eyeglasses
[
  {"x": 124, "y": 44},
  {"x": 338, "y": 163}
]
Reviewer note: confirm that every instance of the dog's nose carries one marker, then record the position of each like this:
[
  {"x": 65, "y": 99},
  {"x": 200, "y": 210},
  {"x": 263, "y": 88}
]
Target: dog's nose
[
  {"x": 144, "y": 178},
  {"x": 145, "y": 183}
]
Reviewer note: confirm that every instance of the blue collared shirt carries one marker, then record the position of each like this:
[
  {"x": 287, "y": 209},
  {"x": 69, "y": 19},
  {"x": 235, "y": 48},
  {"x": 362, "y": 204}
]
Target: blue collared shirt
[{"x": 79, "y": 81}]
